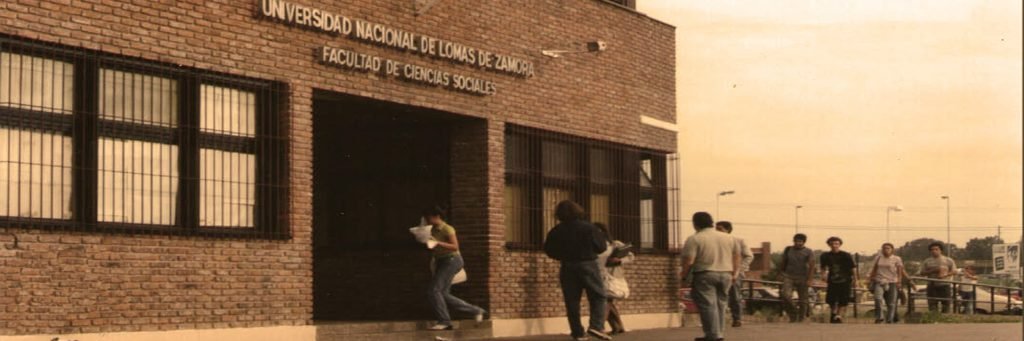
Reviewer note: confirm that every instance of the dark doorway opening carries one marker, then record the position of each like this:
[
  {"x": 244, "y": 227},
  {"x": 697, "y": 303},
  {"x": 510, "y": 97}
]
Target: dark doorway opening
[{"x": 376, "y": 166}]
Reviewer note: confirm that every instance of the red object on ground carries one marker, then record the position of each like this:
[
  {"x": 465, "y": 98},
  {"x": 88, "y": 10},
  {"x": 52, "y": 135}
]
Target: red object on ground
[{"x": 686, "y": 301}]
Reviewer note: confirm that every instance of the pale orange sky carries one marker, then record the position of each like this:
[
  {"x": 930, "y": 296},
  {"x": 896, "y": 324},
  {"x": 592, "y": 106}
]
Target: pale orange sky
[{"x": 848, "y": 108}]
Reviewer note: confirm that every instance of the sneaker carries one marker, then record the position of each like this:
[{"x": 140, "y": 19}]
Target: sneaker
[
  {"x": 879, "y": 321},
  {"x": 839, "y": 319},
  {"x": 479, "y": 317},
  {"x": 438, "y": 326},
  {"x": 600, "y": 335},
  {"x": 737, "y": 323}
]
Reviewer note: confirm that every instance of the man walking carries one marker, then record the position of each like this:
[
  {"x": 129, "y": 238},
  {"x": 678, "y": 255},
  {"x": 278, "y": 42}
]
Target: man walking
[
  {"x": 941, "y": 268},
  {"x": 576, "y": 243},
  {"x": 714, "y": 260},
  {"x": 840, "y": 273},
  {"x": 746, "y": 257},
  {"x": 797, "y": 270}
]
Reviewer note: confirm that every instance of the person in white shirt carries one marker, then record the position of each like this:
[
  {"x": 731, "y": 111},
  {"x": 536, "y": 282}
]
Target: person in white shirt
[
  {"x": 941, "y": 268},
  {"x": 746, "y": 257},
  {"x": 614, "y": 279},
  {"x": 715, "y": 262},
  {"x": 966, "y": 275},
  {"x": 886, "y": 274}
]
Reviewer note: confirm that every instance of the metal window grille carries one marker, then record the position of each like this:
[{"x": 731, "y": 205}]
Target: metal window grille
[
  {"x": 627, "y": 188},
  {"x": 96, "y": 142},
  {"x": 625, "y": 3}
]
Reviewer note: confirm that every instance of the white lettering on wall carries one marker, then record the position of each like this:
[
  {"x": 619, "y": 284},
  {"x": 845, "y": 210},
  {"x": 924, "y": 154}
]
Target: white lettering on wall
[
  {"x": 351, "y": 60},
  {"x": 336, "y": 24}
]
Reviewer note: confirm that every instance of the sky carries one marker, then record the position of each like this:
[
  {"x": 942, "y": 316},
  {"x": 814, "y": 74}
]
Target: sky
[{"x": 847, "y": 108}]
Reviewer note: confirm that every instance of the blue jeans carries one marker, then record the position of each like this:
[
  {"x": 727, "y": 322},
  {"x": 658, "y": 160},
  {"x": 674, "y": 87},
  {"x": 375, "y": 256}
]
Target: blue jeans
[
  {"x": 576, "y": 277},
  {"x": 736, "y": 300},
  {"x": 886, "y": 293},
  {"x": 711, "y": 294},
  {"x": 968, "y": 299},
  {"x": 440, "y": 296}
]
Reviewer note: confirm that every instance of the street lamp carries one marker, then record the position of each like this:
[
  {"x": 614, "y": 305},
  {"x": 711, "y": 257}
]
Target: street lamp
[
  {"x": 796, "y": 224},
  {"x": 721, "y": 194},
  {"x": 896, "y": 208},
  {"x": 949, "y": 249}
]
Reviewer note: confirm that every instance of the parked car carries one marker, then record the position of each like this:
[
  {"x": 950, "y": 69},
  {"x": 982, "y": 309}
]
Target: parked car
[
  {"x": 983, "y": 304},
  {"x": 761, "y": 299},
  {"x": 757, "y": 300},
  {"x": 768, "y": 299}
]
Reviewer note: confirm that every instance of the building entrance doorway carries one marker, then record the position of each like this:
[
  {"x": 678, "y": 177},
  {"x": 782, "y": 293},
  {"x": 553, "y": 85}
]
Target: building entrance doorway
[{"x": 376, "y": 165}]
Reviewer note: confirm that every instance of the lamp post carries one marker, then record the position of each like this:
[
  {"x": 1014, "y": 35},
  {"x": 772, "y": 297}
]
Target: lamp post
[
  {"x": 719, "y": 196},
  {"x": 949, "y": 248},
  {"x": 896, "y": 208},
  {"x": 796, "y": 221}
]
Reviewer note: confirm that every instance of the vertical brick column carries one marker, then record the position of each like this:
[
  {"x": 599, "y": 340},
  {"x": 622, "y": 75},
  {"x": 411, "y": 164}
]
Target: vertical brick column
[
  {"x": 300, "y": 196},
  {"x": 469, "y": 205}
]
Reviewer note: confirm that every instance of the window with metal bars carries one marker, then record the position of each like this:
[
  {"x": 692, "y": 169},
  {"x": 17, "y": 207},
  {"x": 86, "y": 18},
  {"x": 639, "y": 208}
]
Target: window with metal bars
[
  {"x": 624, "y": 3},
  {"x": 96, "y": 142},
  {"x": 627, "y": 188}
]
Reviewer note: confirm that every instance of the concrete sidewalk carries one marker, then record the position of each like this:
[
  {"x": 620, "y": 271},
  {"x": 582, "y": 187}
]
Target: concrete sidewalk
[{"x": 827, "y": 332}]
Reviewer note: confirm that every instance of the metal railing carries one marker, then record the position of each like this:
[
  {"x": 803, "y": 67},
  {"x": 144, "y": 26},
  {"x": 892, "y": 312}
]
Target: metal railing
[
  {"x": 812, "y": 296},
  {"x": 955, "y": 301},
  {"x": 749, "y": 286}
]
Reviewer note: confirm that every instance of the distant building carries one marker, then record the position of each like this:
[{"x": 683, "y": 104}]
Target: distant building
[{"x": 762, "y": 263}]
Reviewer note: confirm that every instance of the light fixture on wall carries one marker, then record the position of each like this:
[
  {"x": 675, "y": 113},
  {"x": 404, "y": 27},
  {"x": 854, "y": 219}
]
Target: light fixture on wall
[
  {"x": 422, "y": 6},
  {"x": 592, "y": 46}
]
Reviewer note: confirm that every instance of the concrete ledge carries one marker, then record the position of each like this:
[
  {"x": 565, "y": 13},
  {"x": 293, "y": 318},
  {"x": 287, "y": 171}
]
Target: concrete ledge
[
  {"x": 559, "y": 325},
  {"x": 651, "y": 121},
  {"x": 296, "y": 333}
]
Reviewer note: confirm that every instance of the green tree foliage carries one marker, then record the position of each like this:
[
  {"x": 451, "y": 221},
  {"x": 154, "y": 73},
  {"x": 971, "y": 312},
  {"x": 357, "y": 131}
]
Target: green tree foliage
[
  {"x": 916, "y": 250},
  {"x": 980, "y": 248}
]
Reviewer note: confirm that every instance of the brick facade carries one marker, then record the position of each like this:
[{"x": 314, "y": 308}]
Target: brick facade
[{"x": 70, "y": 282}]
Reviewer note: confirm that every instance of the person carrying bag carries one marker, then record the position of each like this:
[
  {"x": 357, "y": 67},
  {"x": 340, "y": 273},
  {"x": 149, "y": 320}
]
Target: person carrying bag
[
  {"x": 446, "y": 266},
  {"x": 611, "y": 263}
]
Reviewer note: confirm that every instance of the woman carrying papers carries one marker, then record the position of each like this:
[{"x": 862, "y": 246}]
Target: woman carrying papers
[{"x": 444, "y": 245}]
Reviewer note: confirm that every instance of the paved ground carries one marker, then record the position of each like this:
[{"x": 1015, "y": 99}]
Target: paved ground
[{"x": 829, "y": 332}]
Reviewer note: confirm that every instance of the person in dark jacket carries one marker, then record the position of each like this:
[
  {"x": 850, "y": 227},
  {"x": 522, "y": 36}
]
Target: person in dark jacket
[{"x": 576, "y": 243}]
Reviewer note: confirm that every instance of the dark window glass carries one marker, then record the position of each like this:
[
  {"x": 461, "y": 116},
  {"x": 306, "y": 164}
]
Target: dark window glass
[{"x": 544, "y": 168}]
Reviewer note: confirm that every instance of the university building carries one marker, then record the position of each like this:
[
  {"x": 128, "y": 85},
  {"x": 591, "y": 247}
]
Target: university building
[{"x": 224, "y": 169}]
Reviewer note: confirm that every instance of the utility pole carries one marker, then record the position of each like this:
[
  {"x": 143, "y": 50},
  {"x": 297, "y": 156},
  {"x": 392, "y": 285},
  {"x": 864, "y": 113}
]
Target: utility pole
[{"x": 949, "y": 250}]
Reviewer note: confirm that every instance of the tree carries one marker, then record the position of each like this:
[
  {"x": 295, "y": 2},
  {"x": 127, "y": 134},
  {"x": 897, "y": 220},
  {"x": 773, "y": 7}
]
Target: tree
[
  {"x": 980, "y": 248},
  {"x": 916, "y": 250}
]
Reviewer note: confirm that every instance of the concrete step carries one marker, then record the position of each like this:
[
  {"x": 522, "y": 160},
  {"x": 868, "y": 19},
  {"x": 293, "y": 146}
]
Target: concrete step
[{"x": 400, "y": 331}]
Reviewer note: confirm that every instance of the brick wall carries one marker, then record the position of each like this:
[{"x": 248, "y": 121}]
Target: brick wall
[
  {"x": 71, "y": 283},
  {"x": 598, "y": 95},
  {"x": 470, "y": 207},
  {"x": 524, "y": 283},
  {"x": 66, "y": 282},
  {"x": 527, "y": 285}
]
